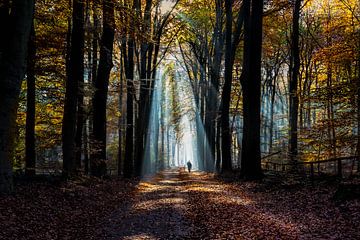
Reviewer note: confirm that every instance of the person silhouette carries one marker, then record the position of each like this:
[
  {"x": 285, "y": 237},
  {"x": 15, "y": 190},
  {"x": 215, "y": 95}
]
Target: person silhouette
[{"x": 189, "y": 165}]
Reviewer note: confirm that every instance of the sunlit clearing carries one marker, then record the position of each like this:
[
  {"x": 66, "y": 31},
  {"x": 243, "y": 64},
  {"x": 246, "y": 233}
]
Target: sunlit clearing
[{"x": 176, "y": 134}]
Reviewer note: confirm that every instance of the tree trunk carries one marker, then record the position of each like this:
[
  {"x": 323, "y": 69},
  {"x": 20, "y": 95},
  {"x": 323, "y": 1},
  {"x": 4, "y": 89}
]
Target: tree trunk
[
  {"x": 12, "y": 70},
  {"x": 358, "y": 103},
  {"x": 225, "y": 98},
  {"x": 129, "y": 144},
  {"x": 294, "y": 99},
  {"x": 98, "y": 166},
  {"x": 121, "y": 118},
  {"x": 141, "y": 123},
  {"x": 75, "y": 73},
  {"x": 251, "y": 83},
  {"x": 94, "y": 67},
  {"x": 30, "y": 154},
  {"x": 213, "y": 89},
  {"x": 271, "y": 128}
]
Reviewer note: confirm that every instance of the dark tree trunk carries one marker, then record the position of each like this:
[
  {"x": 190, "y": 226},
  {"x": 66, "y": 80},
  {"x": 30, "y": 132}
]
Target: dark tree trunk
[
  {"x": 218, "y": 148},
  {"x": 121, "y": 118},
  {"x": 80, "y": 98},
  {"x": 98, "y": 165},
  {"x": 271, "y": 128},
  {"x": 357, "y": 70},
  {"x": 12, "y": 71},
  {"x": 129, "y": 144},
  {"x": 4, "y": 20},
  {"x": 141, "y": 123},
  {"x": 251, "y": 84},
  {"x": 129, "y": 72},
  {"x": 94, "y": 66},
  {"x": 225, "y": 98},
  {"x": 86, "y": 129},
  {"x": 294, "y": 99},
  {"x": 358, "y": 103},
  {"x": 213, "y": 90},
  {"x": 30, "y": 155},
  {"x": 231, "y": 43},
  {"x": 75, "y": 74}
]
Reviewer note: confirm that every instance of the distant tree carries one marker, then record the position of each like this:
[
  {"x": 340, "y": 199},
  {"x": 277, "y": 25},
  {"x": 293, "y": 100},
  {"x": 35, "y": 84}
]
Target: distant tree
[{"x": 13, "y": 50}]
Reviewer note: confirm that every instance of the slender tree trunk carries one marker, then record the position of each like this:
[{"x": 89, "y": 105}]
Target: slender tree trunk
[
  {"x": 80, "y": 95},
  {"x": 358, "y": 103},
  {"x": 121, "y": 118},
  {"x": 12, "y": 72},
  {"x": 98, "y": 167},
  {"x": 294, "y": 99},
  {"x": 86, "y": 129},
  {"x": 75, "y": 73},
  {"x": 129, "y": 144},
  {"x": 94, "y": 66},
  {"x": 218, "y": 148},
  {"x": 225, "y": 98},
  {"x": 271, "y": 128},
  {"x": 213, "y": 89},
  {"x": 141, "y": 124},
  {"x": 30, "y": 154}
]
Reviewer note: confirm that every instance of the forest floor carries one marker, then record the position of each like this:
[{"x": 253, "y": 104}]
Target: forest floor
[{"x": 175, "y": 204}]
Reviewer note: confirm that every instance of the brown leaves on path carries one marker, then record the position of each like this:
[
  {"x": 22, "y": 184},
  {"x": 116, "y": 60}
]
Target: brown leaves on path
[{"x": 177, "y": 205}]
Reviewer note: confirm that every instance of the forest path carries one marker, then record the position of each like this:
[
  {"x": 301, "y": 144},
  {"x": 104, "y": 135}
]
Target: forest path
[
  {"x": 175, "y": 204},
  {"x": 157, "y": 210}
]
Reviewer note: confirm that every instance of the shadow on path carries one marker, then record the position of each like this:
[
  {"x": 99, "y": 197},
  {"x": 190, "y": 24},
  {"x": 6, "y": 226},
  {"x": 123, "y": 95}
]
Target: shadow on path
[{"x": 157, "y": 211}]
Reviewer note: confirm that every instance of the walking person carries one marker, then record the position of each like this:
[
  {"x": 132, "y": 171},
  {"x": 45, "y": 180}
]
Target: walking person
[{"x": 189, "y": 165}]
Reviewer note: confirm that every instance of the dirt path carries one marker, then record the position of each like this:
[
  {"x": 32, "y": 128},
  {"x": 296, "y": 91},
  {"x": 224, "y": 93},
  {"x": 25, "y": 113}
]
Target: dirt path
[
  {"x": 179, "y": 205},
  {"x": 158, "y": 210}
]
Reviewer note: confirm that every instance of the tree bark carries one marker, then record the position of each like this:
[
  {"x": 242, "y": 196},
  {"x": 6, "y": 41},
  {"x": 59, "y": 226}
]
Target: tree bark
[
  {"x": 213, "y": 89},
  {"x": 141, "y": 123},
  {"x": 98, "y": 166},
  {"x": 225, "y": 98},
  {"x": 12, "y": 72},
  {"x": 30, "y": 154},
  {"x": 75, "y": 74},
  {"x": 129, "y": 144},
  {"x": 251, "y": 84},
  {"x": 294, "y": 99}
]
